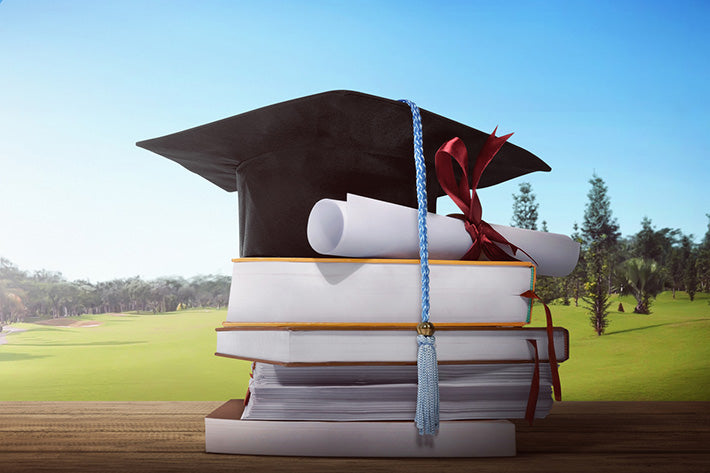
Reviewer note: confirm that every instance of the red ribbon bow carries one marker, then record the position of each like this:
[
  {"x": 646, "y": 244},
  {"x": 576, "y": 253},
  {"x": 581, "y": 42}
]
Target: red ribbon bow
[{"x": 483, "y": 236}]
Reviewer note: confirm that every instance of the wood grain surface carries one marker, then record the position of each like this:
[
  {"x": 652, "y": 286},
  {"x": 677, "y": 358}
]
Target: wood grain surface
[{"x": 169, "y": 436}]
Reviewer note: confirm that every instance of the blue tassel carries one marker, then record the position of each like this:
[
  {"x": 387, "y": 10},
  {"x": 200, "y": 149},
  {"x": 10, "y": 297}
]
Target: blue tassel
[{"x": 427, "y": 415}]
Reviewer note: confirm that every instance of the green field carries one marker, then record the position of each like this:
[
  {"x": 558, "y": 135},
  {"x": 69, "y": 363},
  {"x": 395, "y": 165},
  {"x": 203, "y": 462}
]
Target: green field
[
  {"x": 662, "y": 356},
  {"x": 130, "y": 357}
]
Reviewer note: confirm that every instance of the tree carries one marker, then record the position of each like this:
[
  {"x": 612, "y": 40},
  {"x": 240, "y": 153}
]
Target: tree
[
  {"x": 12, "y": 307},
  {"x": 600, "y": 234},
  {"x": 690, "y": 276},
  {"x": 578, "y": 275},
  {"x": 703, "y": 263},
  {"x": 596, "y": 296},
  {"x": 643, "y": 279},
  {"x": 524, "y": 208},
  {"x": 45, "y": 293},
  {"x": 676, "y": 260},
  {"x": 599, "y": 226},
  {"x": 682, "y": 265},
  {"x": 653, "y": 244}
]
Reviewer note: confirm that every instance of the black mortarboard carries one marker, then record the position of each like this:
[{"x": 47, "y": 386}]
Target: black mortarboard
[{"x": 284, "y": 158}]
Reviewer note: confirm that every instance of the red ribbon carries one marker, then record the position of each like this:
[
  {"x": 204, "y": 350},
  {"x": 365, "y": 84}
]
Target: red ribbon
[
  {"x": 247, "y": 396},
  {"x": 534, "y": 385},
  {"x": 483, "y": 236},
  {"x": 552, "y": 357}
]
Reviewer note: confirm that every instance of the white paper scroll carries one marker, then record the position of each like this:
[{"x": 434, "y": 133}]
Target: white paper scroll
[{"x": 362, "y": 227}]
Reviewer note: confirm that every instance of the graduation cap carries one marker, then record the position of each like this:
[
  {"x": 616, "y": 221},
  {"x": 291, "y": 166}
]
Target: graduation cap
[{"x": 284, "y": 158}]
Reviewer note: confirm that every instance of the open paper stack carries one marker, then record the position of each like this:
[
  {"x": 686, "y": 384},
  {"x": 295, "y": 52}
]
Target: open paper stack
[{"x": 333, "y": 339}]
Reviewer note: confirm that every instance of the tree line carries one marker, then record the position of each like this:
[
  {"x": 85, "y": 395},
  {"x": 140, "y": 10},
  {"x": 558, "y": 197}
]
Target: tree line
[
  {"x": 48, "y": 294},
  {"x": 641, "y": 265}
]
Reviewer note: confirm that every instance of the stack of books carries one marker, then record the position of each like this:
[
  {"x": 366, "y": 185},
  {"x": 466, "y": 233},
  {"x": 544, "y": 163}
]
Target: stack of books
[
  {"x": 335, "y": 340},
  {"x": 334, "y": 351}
]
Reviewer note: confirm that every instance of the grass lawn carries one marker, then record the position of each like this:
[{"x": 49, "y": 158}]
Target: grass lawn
[
  {"x": 130, "y": 357},
  {"x": 662, "y": 356}
]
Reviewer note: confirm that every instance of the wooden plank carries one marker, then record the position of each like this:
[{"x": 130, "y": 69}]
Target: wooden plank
[
  {"x": 181, "y": 462},
  {"x": 169, "y": 436},
  {"x": 103, "y": 407}
]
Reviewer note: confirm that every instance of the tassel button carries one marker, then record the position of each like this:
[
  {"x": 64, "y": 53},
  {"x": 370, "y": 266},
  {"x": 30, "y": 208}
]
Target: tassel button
[{"x": 425, "y": 328}]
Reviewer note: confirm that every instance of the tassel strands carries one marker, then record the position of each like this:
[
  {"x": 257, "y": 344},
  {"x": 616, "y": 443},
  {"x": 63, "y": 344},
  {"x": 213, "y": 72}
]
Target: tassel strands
[{"x": 427, "y": 413}]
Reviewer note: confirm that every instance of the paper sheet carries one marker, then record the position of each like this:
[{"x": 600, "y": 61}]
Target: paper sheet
[{"x": 361, "y": 227}]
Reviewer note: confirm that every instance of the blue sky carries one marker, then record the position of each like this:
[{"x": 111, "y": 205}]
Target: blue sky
[{"x": 617, "y": 88}]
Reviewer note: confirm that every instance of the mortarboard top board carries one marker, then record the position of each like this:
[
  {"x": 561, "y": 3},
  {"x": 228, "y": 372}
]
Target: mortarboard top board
[{"x": 284, "y": 158}]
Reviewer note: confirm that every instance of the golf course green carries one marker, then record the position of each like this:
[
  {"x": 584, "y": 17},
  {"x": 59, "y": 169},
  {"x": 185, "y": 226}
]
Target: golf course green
[{"x": 128, "y": 357}]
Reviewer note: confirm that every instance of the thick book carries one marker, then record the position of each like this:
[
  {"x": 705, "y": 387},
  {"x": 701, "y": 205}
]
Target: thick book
[
  {"x": 370, "y": 393},
  {"x": 379, "y": 291},
  {"x": 313, "y": 344},
  {"x": 225, "y": 432}
]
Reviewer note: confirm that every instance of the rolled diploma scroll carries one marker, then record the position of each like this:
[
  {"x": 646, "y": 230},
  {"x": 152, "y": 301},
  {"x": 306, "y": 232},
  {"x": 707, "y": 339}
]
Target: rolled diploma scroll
[{"x": 362, "y": 227}]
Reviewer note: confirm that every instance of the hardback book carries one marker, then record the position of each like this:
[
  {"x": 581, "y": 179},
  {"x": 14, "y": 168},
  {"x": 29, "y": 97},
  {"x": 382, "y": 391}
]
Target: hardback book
[
  {"x": 226, "y": 432},
  {"x": 379, "y": 291},
  {"x": 370, "y": 393},
  {"x": 314, "y": 344}
]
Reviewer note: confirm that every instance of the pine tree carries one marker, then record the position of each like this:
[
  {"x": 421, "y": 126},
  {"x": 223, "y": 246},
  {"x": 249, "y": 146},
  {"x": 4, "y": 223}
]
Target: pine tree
[
  {"x": 596, "y": 295},
  {"x": 525, "y": 208},
  {"x": 600, "y": 233},
  {"x": 599, "y": 226}
]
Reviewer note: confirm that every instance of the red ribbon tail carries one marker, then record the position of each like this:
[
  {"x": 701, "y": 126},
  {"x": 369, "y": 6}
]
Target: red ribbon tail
[
  {"x": 492, "y": 145},
  {"x": 247, "y": 396},
  {"x": 534, "y": 386},
  {"x": 496, "y": 237},
  {"x": 557, "y": 388},
  {"x": 494, "y": 253}
]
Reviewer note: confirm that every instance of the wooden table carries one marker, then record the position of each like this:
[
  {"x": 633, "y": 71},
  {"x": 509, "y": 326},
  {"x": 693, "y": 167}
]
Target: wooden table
[{"x": 169, "y": 436}]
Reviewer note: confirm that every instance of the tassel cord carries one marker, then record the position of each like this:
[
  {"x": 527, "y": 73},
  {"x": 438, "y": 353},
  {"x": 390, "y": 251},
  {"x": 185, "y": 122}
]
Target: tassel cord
[{"x": 427, "y": 412}]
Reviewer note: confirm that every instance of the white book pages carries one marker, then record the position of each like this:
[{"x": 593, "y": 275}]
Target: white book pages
[
  {"x": 387, "y": 346},
  {"x": 487, "y": 394},
  {"x": 362, "y": 291},
  {"x": 348, "y": 410},
  {"x": 226, "y": 433},
  {"x": 265, "y": 374},
  {"x": 361, "y": 227}
]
